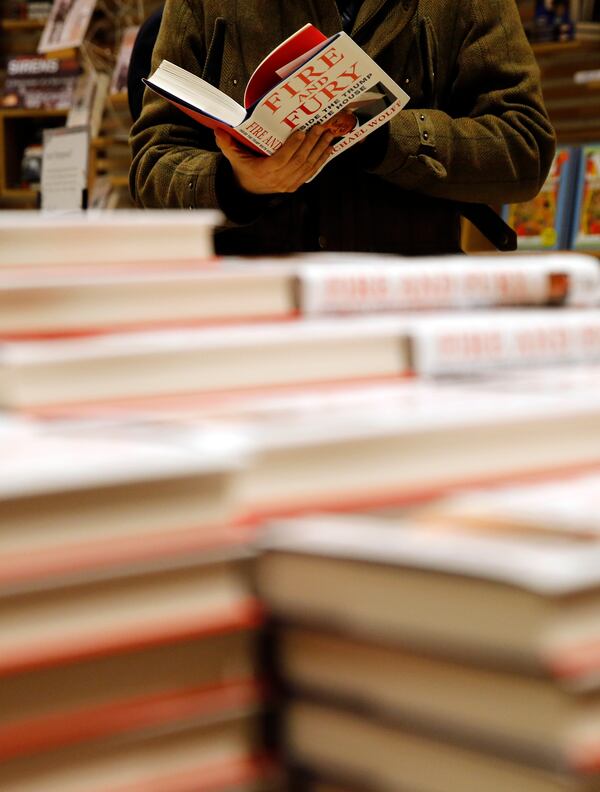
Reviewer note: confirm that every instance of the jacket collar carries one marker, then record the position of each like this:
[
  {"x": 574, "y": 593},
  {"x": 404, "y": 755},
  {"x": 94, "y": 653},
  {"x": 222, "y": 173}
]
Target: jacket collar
[{"x": 392, "y": 15}]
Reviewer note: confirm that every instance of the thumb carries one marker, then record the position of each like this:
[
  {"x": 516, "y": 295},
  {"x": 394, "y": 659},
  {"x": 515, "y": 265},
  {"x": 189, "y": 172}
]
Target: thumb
[{"x": 226, "y": 143}]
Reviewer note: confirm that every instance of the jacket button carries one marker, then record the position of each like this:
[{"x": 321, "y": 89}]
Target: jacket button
[
  {"x": 191, "y": 186},
  {"x": 422, "y": 117},
  {"x": 407, "y": 81},
  {"x": 322, "y": 242},
  {"x": 425, "y": 135}
]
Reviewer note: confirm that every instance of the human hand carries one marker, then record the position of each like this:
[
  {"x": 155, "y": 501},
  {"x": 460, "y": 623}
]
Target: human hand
[{"x": 298, "y": 160}]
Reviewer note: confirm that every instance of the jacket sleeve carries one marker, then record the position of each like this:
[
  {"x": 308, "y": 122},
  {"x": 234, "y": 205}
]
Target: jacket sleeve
[
  {"x": 496, "y": 145},
  {"x": 175, "y": 160}
]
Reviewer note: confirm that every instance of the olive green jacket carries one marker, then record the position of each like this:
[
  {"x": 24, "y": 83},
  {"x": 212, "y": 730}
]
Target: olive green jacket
[{"x": 475, "y": 130}]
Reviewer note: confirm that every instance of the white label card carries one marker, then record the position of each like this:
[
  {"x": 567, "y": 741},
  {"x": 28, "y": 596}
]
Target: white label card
[{"x": 65, "y": 168}]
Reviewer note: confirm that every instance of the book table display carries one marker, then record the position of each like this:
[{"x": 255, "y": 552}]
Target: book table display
[{"x": 326, "y": 524}]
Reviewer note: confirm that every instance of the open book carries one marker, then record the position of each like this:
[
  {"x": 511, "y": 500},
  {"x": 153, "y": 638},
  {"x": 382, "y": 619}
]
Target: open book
[{"x": 309, "y": 79}]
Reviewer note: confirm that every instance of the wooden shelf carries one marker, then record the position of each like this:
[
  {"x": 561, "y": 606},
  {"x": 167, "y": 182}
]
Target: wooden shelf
[
  {"x": 109, "y": 140},
  {"x": 19, "y": 194},
  {"x": 553, "y": 47},
  {"x": 21, "y": 112},
  {"x": 118, "y": 99},
  {"x": 22, "y": 24}
]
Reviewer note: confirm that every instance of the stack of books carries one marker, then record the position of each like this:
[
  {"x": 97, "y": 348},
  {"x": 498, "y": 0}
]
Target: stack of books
[
  {"x": 567, "y": 507},
  {"x": 170, "y": 404},
  {"x": 129, "y": 628},
  {"x": 417, "y": 658},
  {"x": 87, "y": 337},
  {"x": 37, "y": 239}
]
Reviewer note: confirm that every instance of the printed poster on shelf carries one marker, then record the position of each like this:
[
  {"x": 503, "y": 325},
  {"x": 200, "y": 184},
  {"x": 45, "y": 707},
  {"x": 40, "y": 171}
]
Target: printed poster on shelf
[{"x": 64, "y": 175}]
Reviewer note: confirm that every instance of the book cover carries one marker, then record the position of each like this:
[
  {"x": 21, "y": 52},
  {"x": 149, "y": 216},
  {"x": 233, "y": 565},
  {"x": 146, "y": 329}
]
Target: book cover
[
  {"x": 38, "y": 9},
  {"x": 308, "y": 80},
  {"x": 87, "y": 106},
  {"x": 544, "y": 222},
  {"x": 553, "y": 20},
  {"x": 343, "y": 284},
  {"x": 28, "y": 9},
  {"x": 478, "y": 341},
  {"x": 119, "y": 77},
  {"x": 34, "y": 82},
  {"x": 587, "y": 207},
  {"x": 67, "y": 25}
]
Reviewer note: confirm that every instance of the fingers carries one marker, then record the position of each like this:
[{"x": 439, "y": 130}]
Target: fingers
[
  {"x": 309, "y": 170},
  {"x": 321, "y": 146},
  {"x": 309, "y": 159},
  {"x": 289, "y": 150},
  {"x": 312, "y": 140},
  {"x": 298, "y": 147},
  {"x": 297, "y": 161}
]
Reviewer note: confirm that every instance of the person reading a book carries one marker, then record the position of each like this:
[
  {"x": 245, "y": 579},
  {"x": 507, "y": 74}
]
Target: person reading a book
[{"x": 475, "y": 129}]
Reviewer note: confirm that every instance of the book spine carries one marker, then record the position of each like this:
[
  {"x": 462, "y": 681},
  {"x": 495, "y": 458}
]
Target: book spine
[
  {"x": 586, "y": 233},
  {"x": 263, "y": 139},
  {"x": 541, "y": 223},
  {"x": 567, "y": 195},
  {"x": 462, "y": 350},
  {"x": 326, "y": 290},
  {"x": 130, "y": 715}
]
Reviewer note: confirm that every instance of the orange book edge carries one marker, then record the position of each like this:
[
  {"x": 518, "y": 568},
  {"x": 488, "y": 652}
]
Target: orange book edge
[{"x": 71, "y": 727}]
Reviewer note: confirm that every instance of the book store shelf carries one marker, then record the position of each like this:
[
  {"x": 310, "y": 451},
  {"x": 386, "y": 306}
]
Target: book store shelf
[
  {"x": 18, "y": 128},
  {"x": 573, "y": 107},
  {"x": 22, "y": 24},
  {"x": 561, "y": 47}
]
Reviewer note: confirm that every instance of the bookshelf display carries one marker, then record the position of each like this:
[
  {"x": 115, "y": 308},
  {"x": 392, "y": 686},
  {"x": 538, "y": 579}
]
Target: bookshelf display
[
  {"x": 574, "y": 107},
  {"x": 160, "y": 409},
  {"x": 110, "y": 157},
  {"x": 20, "y": 127}
]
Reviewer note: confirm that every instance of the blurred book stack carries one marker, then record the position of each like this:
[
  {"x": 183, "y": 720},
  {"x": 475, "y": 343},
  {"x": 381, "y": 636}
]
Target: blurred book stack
[
  {"x": 418, "y": 658},
  {"x": 129, "y": 628},
  {"x": 162, "y": 406},
  {"x": 130, "y": 632}
]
